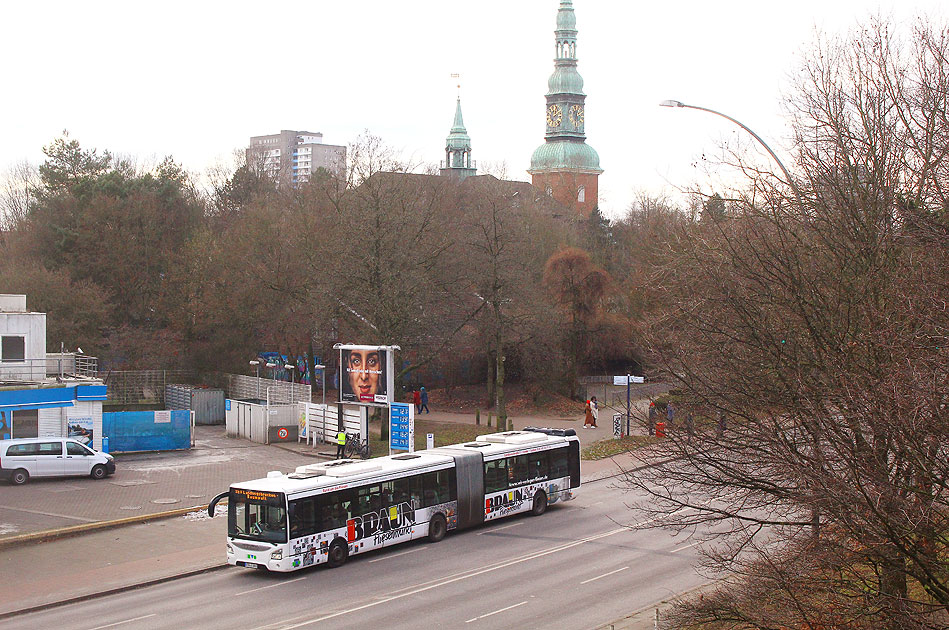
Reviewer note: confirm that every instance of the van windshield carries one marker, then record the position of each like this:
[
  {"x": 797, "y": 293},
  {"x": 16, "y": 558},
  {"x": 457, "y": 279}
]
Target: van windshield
[{"x": 257, "y": 515}]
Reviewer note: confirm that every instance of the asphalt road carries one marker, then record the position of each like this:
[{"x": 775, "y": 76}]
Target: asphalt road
[{"x": 575, "y": 567}]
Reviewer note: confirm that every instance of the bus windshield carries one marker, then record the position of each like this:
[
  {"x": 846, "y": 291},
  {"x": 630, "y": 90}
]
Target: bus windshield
[{"x": 257, "y": 515}]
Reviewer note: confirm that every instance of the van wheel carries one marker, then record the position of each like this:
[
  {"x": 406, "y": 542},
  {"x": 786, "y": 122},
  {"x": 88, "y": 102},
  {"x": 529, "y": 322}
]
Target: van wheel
[
  {"x": 437, "y": 528},
  {"x": 19, "y": 477},
  {"x": 338, "y": 553},
  {"x": 540, "y": 503},
  {"x": 98, "y": 472}
]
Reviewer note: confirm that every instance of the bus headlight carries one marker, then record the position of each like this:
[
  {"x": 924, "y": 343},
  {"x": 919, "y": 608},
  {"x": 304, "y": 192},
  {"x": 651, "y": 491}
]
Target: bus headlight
[
  {"x": 229, "y": 548},
  {"x": 277, "y": 554}
]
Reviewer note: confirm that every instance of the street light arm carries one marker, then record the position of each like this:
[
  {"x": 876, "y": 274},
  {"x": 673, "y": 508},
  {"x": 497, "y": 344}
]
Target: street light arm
[{"x": 777, "y": 160}]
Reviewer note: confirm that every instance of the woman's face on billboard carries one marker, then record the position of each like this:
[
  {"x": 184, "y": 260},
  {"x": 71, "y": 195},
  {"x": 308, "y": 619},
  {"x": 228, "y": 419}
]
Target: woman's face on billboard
[{"x": 364, "y": 369}]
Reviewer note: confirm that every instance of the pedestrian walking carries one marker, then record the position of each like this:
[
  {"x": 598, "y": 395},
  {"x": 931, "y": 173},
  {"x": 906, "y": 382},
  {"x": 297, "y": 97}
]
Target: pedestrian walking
[
  {"x": 595, "y": 408},
  {"x": 652, "y": 418},
  {"x": 588, "y": 422},
  {"x": 689, "y": 423},
  {"x": 417, "y": 400},
  {"x": 720, "y": 430},
  {"x": 670, "y": 413},
  {"x": 340, "y": 444},
  {"x": 423, "y": 398}
]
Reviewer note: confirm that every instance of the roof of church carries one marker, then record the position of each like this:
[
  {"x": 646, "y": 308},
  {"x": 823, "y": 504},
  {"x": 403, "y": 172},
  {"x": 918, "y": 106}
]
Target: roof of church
[
  {"x": 565, "y": 155},
  {"x": 458, "y": 137}
]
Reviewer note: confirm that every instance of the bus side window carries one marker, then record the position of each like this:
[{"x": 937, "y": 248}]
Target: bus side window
[
  {"x": 303, "y": 517},
  {"x": 537, "y": 465},
  {"x": 415, "y": 491},
  {"x": 517, "y": 470},
  {"x": 495, "y": 475},
  {"x": 558, "y": 463},
  {"x": 400, "y": 491},
  {"x": 388, "y": 494}
]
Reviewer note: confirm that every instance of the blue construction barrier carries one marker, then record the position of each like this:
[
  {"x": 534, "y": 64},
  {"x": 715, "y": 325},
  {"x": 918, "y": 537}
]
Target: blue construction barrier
[{"x": 130, "y": 431}]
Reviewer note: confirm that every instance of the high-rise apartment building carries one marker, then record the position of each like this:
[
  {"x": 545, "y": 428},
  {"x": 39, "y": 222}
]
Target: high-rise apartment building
[{"x": 293, "y": 156}]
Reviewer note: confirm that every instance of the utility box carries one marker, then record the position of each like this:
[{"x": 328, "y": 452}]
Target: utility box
[{"x": 207, "y": 404}]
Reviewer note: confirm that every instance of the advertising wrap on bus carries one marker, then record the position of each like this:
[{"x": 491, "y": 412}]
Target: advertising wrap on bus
[{"x": 327, "y": 512}]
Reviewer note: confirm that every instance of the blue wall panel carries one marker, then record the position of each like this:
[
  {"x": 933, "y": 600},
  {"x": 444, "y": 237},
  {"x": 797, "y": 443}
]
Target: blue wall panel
[{"x": 137, "y": 431}]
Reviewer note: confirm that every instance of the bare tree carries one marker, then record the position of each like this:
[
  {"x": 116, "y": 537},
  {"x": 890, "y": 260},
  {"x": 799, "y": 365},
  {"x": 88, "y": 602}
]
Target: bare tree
[
  {"x": 816, "y": 324},
  {"x": 16, "y": 194}
]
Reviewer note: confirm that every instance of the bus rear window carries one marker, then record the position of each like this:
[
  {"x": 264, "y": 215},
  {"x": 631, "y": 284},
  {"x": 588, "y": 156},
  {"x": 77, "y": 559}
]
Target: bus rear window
[{"x": 256, "y": 515}]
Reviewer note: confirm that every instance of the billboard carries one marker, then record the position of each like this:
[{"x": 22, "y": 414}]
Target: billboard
[{"x": 365, "y": 375}]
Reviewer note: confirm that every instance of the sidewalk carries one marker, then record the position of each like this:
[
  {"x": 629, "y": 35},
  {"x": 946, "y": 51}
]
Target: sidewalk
[{"x": 159, "y": 499}]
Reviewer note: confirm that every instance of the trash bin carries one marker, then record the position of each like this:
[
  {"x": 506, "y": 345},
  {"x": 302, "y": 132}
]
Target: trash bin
[
  {"x": 660, "y": 429},
  {"x": 105, "y": 444}
]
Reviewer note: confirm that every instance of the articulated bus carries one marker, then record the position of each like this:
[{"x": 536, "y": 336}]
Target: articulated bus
[{"x": 327, "y": 512}]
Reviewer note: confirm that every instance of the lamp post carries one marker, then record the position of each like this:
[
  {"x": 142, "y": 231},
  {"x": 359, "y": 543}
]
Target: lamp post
[
  {"x": 787, "y": 174},
  {"x": 290, "y": 369},
  {"x": 322, "y": 369},
  {"x": 256, "y": 365}
]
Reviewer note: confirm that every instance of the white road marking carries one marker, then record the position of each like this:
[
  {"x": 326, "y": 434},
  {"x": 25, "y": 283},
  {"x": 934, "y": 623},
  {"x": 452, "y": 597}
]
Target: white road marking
[
  {"x": 453, "y": 579},
  {"x": 396, "y": 555},
  {"x": 686, "y": 547},
  {"x": 495, "y": 529},
  {"x": 66, "y": 516},
  {"x": 263, "y": 588},
  {"x": 119, "y": 623},
  {"x": 496, "y": 612},
  {"x": 604, "y": 575}
]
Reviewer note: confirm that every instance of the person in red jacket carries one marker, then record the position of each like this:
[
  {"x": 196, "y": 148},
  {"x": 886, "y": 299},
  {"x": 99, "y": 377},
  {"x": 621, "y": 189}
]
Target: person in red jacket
[{"x": 417, "y": 399}]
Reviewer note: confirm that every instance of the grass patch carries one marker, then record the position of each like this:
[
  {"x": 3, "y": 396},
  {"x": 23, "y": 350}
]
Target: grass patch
[{"x": 611, "y": 447}]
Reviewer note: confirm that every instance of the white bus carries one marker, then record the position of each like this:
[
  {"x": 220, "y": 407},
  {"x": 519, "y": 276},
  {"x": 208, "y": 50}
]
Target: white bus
[{"x": 327, "y": 512}]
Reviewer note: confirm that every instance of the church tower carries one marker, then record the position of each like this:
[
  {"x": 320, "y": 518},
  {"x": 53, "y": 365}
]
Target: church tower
[
  {"x": 565, "y": 166},
  {"x": 458, "y": 163}
]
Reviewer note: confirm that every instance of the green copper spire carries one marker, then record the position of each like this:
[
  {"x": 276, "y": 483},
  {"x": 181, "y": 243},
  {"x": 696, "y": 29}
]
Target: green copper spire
[
  {"x": 565, "y": 147},
  {"x": 458, "y": 162}
]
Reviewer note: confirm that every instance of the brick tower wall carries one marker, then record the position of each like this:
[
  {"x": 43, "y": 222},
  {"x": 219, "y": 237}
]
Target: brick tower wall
[{"x": 565, "y": 185}]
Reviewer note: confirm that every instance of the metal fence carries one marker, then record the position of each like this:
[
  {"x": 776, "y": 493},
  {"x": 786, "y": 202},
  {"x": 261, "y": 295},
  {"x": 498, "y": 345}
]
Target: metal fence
[
  {"x": 142, "y": 387},
  {"x": 240, "y": 387},
  {"x": 67, "y": 364}
]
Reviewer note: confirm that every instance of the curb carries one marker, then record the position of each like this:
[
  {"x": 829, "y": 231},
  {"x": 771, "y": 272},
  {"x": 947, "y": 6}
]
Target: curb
[
  {"x": 74, "y": 530},
  {"x": 623, "y": 622},
  {"x": 111, "y": 591}
]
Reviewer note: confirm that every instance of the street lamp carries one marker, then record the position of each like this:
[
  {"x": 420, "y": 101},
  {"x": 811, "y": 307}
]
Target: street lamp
[
  {"x": 256, "y": 365},
  {"x": 290, "y": 369},
  {"x": 787, "y": 174},
  {"x": 322, "y": 369}
]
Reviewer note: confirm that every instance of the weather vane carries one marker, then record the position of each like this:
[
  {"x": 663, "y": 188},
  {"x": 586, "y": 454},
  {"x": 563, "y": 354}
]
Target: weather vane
[{"x": 455, "y": 75}]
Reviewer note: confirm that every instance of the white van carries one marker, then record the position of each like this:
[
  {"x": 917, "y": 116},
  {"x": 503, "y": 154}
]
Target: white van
[{"x": 23, "y": 458}]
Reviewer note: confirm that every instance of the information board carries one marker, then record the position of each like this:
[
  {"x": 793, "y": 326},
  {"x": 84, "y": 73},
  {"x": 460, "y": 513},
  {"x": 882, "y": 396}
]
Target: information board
[{"x": 402, "y": 427}]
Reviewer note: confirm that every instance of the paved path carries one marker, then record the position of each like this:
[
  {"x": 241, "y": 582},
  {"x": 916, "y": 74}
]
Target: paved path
[{"x": 166, "y": 538}]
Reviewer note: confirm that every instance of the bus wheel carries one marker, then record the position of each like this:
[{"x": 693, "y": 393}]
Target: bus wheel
[
  {"x": 540, "y": 503},
  {"x": 19, "y": 477},
  {"x": 338, "y": 553},
  {"x": 98, "y": 472},
  {"x": 437, "y": 528}
]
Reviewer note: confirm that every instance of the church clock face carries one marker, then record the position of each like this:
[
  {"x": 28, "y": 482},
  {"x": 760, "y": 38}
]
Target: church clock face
[
  {"x": 554, "y": 116},
  {"x": 576, "y": 115}
]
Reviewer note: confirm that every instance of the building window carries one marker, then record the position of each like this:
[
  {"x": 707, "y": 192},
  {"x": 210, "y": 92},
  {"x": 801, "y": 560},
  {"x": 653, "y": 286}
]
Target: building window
[
  {"x": 581, "y": 194},
  {"x": 12, "y": 348}
]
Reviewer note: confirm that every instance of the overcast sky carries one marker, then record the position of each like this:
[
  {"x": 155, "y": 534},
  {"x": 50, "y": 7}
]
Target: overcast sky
[{"x": 195, "y": 80}]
